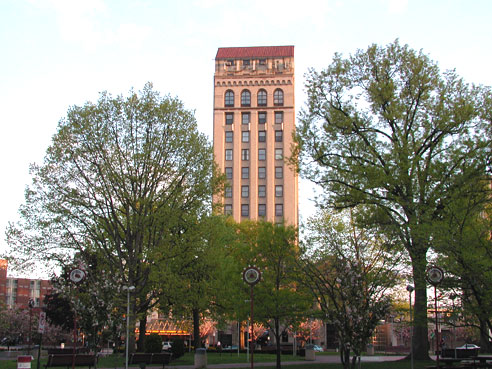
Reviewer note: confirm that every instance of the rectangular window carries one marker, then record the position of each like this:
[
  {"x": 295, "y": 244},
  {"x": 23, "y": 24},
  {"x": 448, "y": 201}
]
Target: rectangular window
[
  {"x": 245, "y": 118},
  {"x": 279, "y": 136},
  {"x": 244, "y": 210},
  {"x": 262, "y": 117},
  {"x": 228, "y": 136},
  {"x": 279, "y": 154},
  {"x": 279, "y": 191},
  {"x": 229, "y": 118},
  {"x": 228, "y": 192},
  {"x": 228, "y": 154},
  {"x": 261, "y": 210},
  {"x": 228, "y": 172},
  {"x": 261, "y": 172},
  {"x": 261, "y": 191},
  {"x": 228, "y": 209},
  {"x": 279, "y": 172},
  {"x": 279, "y": 210},
  {"x": 261, "y": 136},
  {"x": 245, "y": 192},
  {"x": 279, "y": 117},
  {"x": 245, "y": 172},
  {"x": 245, "y": 154},
  {"x": 246, "y": 62},
  {"x": 245, "y": 136},
  {"x": 262, "y": 154}
]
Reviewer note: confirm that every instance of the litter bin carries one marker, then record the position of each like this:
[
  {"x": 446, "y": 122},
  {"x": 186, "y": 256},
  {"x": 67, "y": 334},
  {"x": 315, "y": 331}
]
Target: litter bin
[
  {"x": 200, "y": 358},
  {"x": 24, "y": 362},
  {"x": 310, "y": 354},
  {"x": 370, "y": 349}
]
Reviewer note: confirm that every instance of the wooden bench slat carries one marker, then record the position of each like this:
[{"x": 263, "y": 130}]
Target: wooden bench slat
[{"x": 55, "y": 360}]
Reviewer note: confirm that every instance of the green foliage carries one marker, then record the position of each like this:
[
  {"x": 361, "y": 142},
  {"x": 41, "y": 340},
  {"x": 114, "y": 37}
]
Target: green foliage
[
  {"x": 385, "y": 130},
  {"x": 153, "y": 343},
  {"x": 280, "y": 301},
  {"x": 124, "y": 179},
  {"x": 349, "y": 273},
  {"x": 466, "y": 255},
  {"x": 178, "y": 348}
]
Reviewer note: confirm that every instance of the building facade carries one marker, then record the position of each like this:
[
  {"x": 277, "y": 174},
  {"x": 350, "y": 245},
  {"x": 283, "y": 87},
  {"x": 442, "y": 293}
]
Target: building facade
[
  {"x": 254, "y": 120},
  {"x": 16, "y": 292}
]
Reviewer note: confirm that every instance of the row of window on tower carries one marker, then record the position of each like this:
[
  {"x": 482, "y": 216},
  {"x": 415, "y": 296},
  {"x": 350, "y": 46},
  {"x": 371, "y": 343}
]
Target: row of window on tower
[
  {"x": 279, "y": 154},
  {"x": 279, "y": 172},
  {"x": 262, "y": 117},
  {"x": 245, "y": 136},
  {"x": 261, "y": 98},
  {"x": 279, "y": 210},
  {"x": 262, "y": 192}
]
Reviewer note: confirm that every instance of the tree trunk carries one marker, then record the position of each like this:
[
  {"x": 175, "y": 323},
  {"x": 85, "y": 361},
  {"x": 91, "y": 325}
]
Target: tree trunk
[
  {"x": 420, "y": 342},
  {"x": 277, "y": 339},
  {"x": 345, "y": 356},
  {"x": 196, "y": 329},
  {"x": 485, "y": 345},
  {"x": 141, "y": 335}
]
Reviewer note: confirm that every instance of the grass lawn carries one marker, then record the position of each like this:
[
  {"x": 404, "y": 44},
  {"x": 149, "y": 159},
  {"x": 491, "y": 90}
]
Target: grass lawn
[{"x": 118, "y": 361}]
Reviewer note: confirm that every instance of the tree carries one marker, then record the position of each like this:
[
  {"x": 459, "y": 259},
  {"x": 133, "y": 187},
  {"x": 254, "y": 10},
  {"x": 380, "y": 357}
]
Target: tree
[
  {"x": 279, "y": 301},
  {"x": 465, "y": 247},
  {"x": 122, "y": 178},
  {"x": 350, "y": 273},
  {"x": 384, "y": 129},
  {"x": 95, "y": 302},
  {"x": 14, "y": 325}
]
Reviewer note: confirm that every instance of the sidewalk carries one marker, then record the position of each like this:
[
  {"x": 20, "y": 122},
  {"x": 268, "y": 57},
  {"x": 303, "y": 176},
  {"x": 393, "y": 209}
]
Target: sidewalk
[{"x": 319, "y": 359}]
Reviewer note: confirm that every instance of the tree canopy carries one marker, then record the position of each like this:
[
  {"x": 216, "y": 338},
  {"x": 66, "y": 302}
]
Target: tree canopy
[
  {"x": 126, "y": 178},
  {"x": 350, "y": 274},
  {"x": 385, "y": 129}
]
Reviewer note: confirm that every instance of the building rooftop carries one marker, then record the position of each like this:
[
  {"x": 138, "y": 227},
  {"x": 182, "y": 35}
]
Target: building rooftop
[{"x": 254, "y": 52}]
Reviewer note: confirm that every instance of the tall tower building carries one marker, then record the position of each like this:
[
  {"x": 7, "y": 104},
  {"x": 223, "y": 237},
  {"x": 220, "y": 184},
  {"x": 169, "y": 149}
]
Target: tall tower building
[{"x": 254, "y": 119}]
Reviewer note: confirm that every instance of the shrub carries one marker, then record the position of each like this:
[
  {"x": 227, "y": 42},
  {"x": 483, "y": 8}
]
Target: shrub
[
  {"x": 178, "y": 348},
  {"x": 153, "y": 343}
]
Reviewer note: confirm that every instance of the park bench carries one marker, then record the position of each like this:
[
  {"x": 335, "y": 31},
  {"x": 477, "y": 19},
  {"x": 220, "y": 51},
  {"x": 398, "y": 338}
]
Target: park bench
[
  {"x": 66, "y": 360},
  {"x": 67, "y": 350},
  {"x": 143, "y": 359}
]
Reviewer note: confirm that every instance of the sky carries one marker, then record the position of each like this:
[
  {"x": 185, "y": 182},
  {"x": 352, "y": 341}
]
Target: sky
[{"x": 59, "y": 53}]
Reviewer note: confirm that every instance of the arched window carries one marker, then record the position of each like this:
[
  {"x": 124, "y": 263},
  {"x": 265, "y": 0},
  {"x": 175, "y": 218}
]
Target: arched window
[
  {"x": 229, "y": 98},
  {"x": 262, "y": 98},
  {"x": 245, "y": 98},
  {"x": 278, "y": 97}
]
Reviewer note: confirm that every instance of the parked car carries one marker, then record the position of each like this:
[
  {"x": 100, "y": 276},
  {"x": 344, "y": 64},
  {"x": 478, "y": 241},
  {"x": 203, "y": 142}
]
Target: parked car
[
  {"x": 318, "y": 348},
  {"x": 468, "y": 346},
  {"x": 230, "y": 348},
  {"x": 166, "y": 345}
]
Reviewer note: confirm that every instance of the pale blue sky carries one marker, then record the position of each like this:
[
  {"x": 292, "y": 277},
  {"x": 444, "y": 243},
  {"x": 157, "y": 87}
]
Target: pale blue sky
[{"x": 57, "y": 53}]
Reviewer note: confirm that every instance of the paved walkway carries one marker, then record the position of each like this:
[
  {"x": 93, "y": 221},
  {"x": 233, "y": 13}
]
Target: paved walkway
[{"x": 319, "y": 360}]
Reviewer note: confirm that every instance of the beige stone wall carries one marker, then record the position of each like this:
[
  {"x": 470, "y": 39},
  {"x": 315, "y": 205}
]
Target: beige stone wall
[{"x": 270, "y": 75}]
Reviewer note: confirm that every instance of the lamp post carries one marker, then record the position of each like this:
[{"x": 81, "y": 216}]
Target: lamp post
[
  {"x": 435, "y": 275},
  {"x": 453, "y": 297},
  {"x": 31, "y": 305},
  {"x": 410, "y": 289},
  {"x": 128, "y": 289},
  {"x": 251, "y": 275}
]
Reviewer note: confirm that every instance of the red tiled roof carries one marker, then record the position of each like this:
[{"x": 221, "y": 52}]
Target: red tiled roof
[{"x": 254, "y": 52}]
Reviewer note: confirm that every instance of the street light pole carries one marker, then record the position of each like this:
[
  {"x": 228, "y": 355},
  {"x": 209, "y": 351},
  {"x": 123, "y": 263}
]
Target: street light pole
[
  {"x": 410, "y": 289},
  {"x": 31, "y": 305},
  {"x": 128, "y": 289}
]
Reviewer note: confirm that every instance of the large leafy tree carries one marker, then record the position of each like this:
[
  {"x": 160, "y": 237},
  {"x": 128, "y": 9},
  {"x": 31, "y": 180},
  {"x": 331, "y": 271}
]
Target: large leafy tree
[
  {"x": 280, "y": 301},
  {"x": 385, "y": 129},
  {"x": 350, "y": 273},
  {"x": 195, "y": 283},
  {"x": 124, "y": 177},
  {"x": 465, "y": 247}
]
